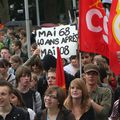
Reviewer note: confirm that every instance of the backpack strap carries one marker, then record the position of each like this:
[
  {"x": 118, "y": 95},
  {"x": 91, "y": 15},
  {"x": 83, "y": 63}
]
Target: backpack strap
[{"x": 9, "y": 77}]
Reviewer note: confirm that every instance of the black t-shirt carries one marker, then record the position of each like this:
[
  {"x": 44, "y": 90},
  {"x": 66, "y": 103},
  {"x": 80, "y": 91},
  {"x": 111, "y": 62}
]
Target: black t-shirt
[
  {"x": 117, "y": 93},
  {"x": 28, "y": 98},
  {"x": 89, "y": 115}
]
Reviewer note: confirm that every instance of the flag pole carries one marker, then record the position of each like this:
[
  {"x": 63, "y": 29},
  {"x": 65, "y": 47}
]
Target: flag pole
[
  {"x": 80, "y": 54},
  {"x": 80, "y": 62},
  {"x": 76, "y": 23}
]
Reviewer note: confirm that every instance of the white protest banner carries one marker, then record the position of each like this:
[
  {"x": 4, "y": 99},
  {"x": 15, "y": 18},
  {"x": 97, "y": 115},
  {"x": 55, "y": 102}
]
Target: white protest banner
[{"x": 64, "y": 36}]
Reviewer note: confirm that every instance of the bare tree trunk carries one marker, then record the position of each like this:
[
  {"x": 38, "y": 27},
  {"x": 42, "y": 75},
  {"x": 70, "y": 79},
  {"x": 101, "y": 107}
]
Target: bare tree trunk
[{"x": 4, "y": 11}]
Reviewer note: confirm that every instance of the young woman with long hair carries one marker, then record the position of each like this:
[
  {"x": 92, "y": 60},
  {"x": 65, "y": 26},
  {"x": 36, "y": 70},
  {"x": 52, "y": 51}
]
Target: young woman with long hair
[{"x": 78, "y": 100}]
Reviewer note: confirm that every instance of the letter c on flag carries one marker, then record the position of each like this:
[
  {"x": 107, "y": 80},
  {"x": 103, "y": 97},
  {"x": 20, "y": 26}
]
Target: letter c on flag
[{"x": 89, "y": 16}]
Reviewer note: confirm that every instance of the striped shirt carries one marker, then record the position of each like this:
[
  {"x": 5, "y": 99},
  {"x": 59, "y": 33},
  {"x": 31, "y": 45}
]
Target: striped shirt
[{"x": 115, "y": 114}]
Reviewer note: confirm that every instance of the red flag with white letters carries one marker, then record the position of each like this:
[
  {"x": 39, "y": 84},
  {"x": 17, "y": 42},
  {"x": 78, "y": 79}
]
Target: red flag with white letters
[
  {"x": 114, "y": 37},
  {"x": 93, "y": 31}
]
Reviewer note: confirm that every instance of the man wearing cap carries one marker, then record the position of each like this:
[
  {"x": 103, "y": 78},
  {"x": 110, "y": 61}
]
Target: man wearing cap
[{"x": 100, "y": 97}]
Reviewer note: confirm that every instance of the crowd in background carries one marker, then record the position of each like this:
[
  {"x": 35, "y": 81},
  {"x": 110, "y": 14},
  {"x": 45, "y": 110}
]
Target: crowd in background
[{"x": 28, "y": 88}]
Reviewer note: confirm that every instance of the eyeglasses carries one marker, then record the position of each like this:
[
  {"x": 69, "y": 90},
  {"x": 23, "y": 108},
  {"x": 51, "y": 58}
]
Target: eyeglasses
[
  {"x": 51, "y": 77},
  {"x": 51, "y": 96}
]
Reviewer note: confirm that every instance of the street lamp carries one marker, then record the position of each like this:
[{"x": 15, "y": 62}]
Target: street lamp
[{"x": 27, "y": 21}]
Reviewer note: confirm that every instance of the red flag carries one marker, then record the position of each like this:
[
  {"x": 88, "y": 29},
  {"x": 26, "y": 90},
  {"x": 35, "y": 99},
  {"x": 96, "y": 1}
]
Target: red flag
[
  {"x": 114, "y": 36},
  {"x": 60, "y": 79},
  {"x": 93, "y": 27}
]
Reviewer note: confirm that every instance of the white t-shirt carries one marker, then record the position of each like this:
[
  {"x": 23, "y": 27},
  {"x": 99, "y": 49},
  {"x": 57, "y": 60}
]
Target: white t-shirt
[
  {"x": 31, "y": 113},
  {"x": 70, "y": 69}
]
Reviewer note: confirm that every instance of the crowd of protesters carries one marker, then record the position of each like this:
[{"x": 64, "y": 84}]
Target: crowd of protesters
[
  {"x": 28, "y": 85},
  {"x": 28, "y": 88}
]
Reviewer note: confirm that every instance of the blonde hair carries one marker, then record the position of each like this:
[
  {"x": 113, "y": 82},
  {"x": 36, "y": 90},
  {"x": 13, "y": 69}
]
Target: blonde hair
[{"x": 80, "y": 84}]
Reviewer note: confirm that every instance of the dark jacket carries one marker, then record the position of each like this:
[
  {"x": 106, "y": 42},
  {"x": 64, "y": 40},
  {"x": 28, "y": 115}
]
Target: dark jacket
[
  {"x": 89, "y": 115},
  {"x": 63, "y": 114},
  {"x": 24, "y": 56},
  {"x": 16, "y": 114},
  {"x": 117, "y": 93}
]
